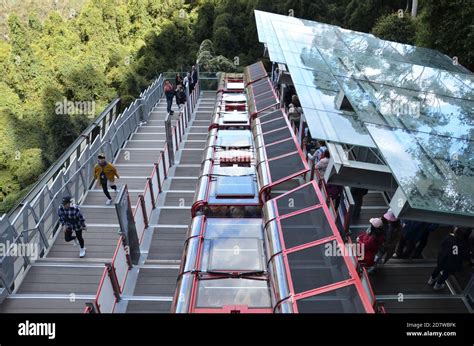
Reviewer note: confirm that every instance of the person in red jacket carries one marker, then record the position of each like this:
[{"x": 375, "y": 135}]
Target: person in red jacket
[{"x": 371, "y": 242}]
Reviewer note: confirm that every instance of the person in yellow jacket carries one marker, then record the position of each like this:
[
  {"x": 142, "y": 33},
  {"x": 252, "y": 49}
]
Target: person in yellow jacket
[{"x": 105, "y": 173}]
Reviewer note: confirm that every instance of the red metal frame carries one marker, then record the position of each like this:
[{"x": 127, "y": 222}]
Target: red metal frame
[
  {"x": 101, "y": 283},
  {"x": 256, "y": 112},
  {"x": 147, "y": 186},
  {"x": 202, "y": 203},
  {"x": 227, "y": 80},
  {"x": 247, "y": 74},
  {"x": 355, "y": 279},
  {"x": 194, "y": 288},
  {"x": 364, "y": 272},
  {"x": 120, "y": 243},
  {"x": 181, "y": 125},
  {"x": 267, "y": 188},
  {"x": 243, "y": 309},
  {"x": 192, "y": 300}
]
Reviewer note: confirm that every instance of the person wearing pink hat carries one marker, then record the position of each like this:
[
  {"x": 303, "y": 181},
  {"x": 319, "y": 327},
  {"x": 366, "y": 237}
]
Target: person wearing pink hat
[
  {"x": 392, "y": 233},
  {"x": 371, "y": 241}
]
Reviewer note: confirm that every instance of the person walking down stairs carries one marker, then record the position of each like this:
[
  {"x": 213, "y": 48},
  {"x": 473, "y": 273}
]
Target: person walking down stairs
[
  {"x": 105, "y": 173},
  {"x": 169, "y": 93},
  {"x": 453, "y": 254},
  {"x": 72, "y": 220}
]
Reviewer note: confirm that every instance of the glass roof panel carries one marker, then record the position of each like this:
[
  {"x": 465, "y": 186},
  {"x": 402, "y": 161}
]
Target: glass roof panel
[
  {"x": 233, "y": 97},
  {"x": 419, "y": 111},
  {"x": 237, "y": 254},
  {"x": 342, "y": 300},
  {"x": 312, "y": 268},
  {"x": 305, "y": 227},
  {"x": 285, "y": 167},
  {"x": 300, "y": 198},
  {"x": 236, "y": 228},
  {"x": 273, "y": 125},
  {"x": 235, "y": 232},
  {"x": 280, "y": 149},
  {"x": 337, "y": 127},
  {"x": 435, "y": 172},
  {"x": 277, "y": 135},
  {"x": 255, "y": 71},
  {"x": 270, "y": 116},
  {"x": 234, "y": 139},
  {"x": 235, "y": 85},
  {"x": 235, "y": 117},
  {"x": 221, "y": 292},
  {"x": 233, "y": 186}
]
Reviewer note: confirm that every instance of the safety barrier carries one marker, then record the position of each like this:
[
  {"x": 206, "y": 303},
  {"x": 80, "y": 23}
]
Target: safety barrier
[{"x": 115, "y": 274}]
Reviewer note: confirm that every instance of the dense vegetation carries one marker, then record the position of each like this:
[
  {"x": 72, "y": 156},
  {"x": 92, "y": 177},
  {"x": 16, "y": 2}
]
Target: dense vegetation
[{"x": 94, "y": 50}]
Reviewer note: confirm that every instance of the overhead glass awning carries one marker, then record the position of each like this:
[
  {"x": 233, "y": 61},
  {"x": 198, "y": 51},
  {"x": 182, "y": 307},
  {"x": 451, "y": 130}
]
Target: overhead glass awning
[
  {"x": 224, "y": 267},
  {"x": 349, "y": 82},
  {"x": 279, "y": 157},
  {"x": 435, "y": 174},
  {"x": 330, "y": 36},
  {"x": 261, "y": 96},
  {"x": 254, "y": 72},
  {"x": 310, "y": 269}
]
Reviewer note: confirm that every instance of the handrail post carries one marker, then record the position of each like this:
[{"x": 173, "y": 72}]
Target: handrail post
[
  {"x": 113, "y": 280},
  {"x": 188, "y": 101},
  {"x": 143, "y": 205},
  {"x": 127, "y": 251},
  {"x": 176, "y": 138},
  {"x": 164, "y": 163},
  {"x": 152, "y": 193},
  {"x": 158, "y": 175},
  {"x": 169, "y": 138},
  {"x": 92, "y": 308}
]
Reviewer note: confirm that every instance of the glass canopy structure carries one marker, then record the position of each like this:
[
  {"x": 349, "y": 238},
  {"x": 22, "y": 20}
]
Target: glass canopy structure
[{"x": 410, "y": 108}]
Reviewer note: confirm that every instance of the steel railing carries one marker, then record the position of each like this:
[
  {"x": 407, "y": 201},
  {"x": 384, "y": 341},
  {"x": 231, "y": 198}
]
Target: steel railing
[{"x": 115, "y": 274}]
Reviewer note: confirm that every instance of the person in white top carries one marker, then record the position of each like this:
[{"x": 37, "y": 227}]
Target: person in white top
[{"x": 186, "y": 80}]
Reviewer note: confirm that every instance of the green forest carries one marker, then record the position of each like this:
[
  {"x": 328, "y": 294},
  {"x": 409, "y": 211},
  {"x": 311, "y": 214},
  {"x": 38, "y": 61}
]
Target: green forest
[{"x": 93, "y": 51}]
